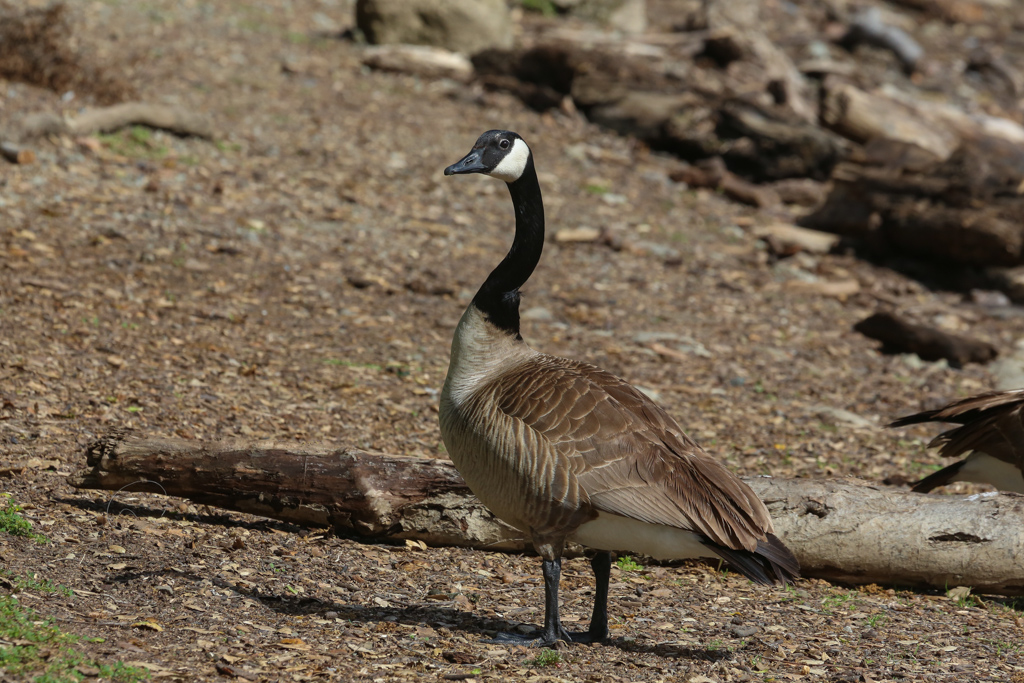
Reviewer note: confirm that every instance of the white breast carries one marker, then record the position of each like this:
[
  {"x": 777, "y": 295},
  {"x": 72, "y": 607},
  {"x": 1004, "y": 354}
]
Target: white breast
[{"x": 480, "y": 351}]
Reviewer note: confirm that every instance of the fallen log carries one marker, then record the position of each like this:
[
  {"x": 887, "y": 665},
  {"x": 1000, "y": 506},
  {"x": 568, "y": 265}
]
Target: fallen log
[
  {"x": 352, "y": 491},
  {"x": 839, "y": 530},
  {"x": 964, "y": 211},
  {"x": 901, "y": 336},
  {"x": 178, "y": 120},
  {"x": 862, "y": 117}
]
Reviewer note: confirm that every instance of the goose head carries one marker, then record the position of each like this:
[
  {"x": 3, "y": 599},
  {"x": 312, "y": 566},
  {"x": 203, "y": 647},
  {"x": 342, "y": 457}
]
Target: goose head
[{"x": 500, "y": 154}]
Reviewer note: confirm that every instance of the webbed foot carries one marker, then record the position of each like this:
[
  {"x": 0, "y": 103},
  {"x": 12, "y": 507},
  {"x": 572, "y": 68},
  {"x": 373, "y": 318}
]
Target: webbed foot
[{"x": 545, "y": 639}]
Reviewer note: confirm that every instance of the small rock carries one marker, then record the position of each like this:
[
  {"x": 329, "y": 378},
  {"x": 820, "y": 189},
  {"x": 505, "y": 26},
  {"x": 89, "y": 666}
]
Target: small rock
[
  {"x": 627, "y": 16},
  {"x": 840, "y": 289},
  {"x": 613, "y": 198},
  {"x": 465, "y": 26},
  {"x": 744, "y": 631},
  {"x": 784, "y": 239},
  {"x": 1010, "y": 281},
  {"x": 838, "y": 415},
  {"x": 537, "y": 313},
  {"x": 662, "y": 251},
  {"x": 648, "y": 337},
  {"x": 988, "y": 298},
  {"x": 582, "y": 234},
  {"x": 1009, "y": 370}
]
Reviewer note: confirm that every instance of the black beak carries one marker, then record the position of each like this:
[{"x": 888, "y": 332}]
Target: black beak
[{"x": 471, "y": 163}]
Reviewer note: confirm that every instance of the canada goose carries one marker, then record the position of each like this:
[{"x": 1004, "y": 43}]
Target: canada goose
[
  {"x": 991, "y": 429},
  {"x": 567, "y": 452}
]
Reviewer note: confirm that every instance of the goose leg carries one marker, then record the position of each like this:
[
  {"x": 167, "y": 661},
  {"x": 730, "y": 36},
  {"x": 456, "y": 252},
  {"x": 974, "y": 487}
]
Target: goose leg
[
  {"x": 598, "y": 631},
  {"x": 553, "y": 630}
]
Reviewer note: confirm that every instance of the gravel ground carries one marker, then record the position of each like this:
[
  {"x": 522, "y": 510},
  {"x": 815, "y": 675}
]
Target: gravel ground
[{"x": 299, "y": 278}]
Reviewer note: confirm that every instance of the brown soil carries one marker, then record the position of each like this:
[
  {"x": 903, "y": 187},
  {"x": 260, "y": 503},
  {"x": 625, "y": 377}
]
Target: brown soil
[{"x": 300, "y": 279}]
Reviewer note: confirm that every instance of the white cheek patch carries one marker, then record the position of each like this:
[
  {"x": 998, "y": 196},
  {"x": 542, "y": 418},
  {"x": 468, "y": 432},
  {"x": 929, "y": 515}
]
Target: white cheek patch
[{"x": 514, "y": 163}]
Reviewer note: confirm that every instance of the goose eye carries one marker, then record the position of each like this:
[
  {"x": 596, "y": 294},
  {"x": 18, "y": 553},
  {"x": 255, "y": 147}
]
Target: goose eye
[{"x": 503, "y": 144}]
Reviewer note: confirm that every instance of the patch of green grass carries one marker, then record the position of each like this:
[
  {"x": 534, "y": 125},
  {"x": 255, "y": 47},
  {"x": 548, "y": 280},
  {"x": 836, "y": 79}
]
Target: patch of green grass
[
  {"x": 136, "y": 142},
  {"x": 966, "y": 601},
  {"x": 875, "y": 620},
  {"x": 594, "y": 188},
  {"x": 225, "y": 146},
  {"x": 845, "y": 600},
  {"x": 1002, "y": 647},
  {"x": 41, "y": 652},
  {"x": 33, "y": 583},
  {"x": 545, "y": 7},
  {"x": 547, "y": 657},
  {"x": 628, "y": 564},
  {"x": 352, "y": 364},
  {"x": 11, "y": 522}
]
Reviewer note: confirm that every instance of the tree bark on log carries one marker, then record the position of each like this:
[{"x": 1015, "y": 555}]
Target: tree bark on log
[
  {"x": 863, "y": 117},
  {"x": 353, "y": 491},
  {"x": 839, "y": 530}
]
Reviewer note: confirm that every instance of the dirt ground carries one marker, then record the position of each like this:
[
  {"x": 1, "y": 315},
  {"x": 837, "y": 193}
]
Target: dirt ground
[{"x": 299, "y": 278}]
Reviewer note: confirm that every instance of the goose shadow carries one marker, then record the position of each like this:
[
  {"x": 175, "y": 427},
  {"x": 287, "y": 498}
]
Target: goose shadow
[
  {"x": 411, "y": 614},
  {"x": 456, "y": 620},
  {"x": 433, "y": 616}
]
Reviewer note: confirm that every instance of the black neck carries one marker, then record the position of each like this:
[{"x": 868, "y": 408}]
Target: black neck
[{"x": 498, "y": 297}]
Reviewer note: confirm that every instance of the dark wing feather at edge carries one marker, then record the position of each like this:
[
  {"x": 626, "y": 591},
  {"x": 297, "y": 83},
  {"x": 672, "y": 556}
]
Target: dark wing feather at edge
[
  {"x": 965, "y": 410},
  {"x": 990, "y": 423},
  {"x": 937, "y": 479}
]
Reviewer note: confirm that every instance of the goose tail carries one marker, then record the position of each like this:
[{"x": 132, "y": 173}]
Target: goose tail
[{"x": 771, "y": 563}]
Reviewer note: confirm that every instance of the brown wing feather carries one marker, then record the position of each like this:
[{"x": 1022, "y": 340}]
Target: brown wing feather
[
  {"x": 628, "y": 456},
  {"x": 991, "y": 423}
]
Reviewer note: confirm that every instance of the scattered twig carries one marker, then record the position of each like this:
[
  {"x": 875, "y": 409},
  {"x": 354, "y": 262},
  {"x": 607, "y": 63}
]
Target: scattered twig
[{"x": 15, "y": 154}]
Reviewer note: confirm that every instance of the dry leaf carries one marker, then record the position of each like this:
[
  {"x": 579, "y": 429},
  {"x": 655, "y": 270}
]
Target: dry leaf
[
  {"x": 293, "y": 644},
  {"x": 151, "y": 625}
]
